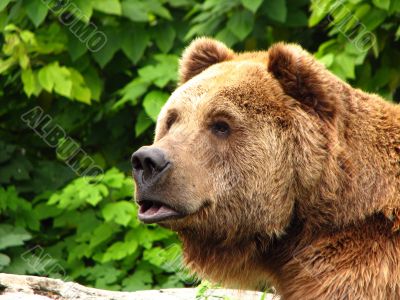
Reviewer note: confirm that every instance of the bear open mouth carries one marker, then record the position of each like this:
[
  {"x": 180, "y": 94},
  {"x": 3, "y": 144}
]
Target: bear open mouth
[{"x": 151, "y": 211}]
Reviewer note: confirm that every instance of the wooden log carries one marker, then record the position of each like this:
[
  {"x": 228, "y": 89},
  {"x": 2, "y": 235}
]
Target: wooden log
[{"x": 20, "y": 287}]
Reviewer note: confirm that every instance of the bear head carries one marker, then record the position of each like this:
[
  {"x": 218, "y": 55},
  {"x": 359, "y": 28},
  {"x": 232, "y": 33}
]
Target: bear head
[{"x": 243, "y": 150}]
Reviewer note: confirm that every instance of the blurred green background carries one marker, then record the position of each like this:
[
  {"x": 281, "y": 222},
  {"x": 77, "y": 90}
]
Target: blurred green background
[{"x": 101, "y": 70}]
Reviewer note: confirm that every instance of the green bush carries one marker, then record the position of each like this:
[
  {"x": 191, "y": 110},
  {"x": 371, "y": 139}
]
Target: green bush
[{"x": 81, "y": 84}]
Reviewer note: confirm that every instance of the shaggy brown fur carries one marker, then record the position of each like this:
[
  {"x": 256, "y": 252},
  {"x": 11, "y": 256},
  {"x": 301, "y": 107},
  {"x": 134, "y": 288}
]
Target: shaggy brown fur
[{"x": 303, "y": 193}]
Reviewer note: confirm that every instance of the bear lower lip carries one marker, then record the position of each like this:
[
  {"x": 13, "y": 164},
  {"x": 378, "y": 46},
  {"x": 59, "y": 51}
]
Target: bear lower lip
[{"x": 154, "y": 212}]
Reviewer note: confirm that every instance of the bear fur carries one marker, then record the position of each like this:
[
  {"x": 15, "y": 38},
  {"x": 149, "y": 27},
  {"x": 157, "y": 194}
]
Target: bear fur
[{"x": 303, "y": 190}]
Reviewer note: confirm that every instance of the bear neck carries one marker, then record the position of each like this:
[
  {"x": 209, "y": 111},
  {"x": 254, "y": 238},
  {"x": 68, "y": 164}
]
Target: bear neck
[
  {"x": 236, "y": 264},
  {"x": 360, "y": 175}
]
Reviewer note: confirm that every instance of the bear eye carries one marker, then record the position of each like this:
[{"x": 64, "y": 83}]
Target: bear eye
[
  {"x": 171, "y": 120},
  {"x": 220, "y": 129}
]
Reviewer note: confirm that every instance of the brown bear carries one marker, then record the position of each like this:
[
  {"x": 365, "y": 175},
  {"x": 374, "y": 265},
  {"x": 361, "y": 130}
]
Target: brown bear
[{"x": 274, "y": 171}]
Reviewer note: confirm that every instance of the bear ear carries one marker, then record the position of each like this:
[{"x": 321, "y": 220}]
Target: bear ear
[
  {"x": 305, "y": 79},
  {"x": 200, "y": 54}
]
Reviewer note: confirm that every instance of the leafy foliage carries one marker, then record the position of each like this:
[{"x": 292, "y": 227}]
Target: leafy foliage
[{"x": 101, "y": 71}]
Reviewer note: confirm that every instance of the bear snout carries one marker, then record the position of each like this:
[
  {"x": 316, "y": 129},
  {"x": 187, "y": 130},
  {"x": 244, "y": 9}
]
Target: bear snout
[{"x": 150, "y": 165}]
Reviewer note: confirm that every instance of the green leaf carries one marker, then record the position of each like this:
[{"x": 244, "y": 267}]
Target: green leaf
[
  {"x": 108, "y": 6},
  {"x": 383, "y": 4},
  {"x": 276, "y": 10},
  {"x": 31, "y": 82},
  {"x": 153, "y": 102},
  {"x": 67, "y": 219},
  {"x": 103, "y": 274},
  {"x": 131, "y": 92},
  {"x": 140, "y": 280},
  {"x": 120, "y": 250},
  {"x": 45, "y": 78},
  {"x": 107, "y": 52},
  {"x": 45, "y": 211},
  {"x": 227, "y": 37},
  {"x": 101, "y": 234},
  {"x": 319, "y": 10},
  {"x": 113, "y": 178},
  {"x": 9, "y": 200},
  {"x": 12, "y": 236},
  {"x": 168, "y": 259},
  {"x": 93, "y": 82},
  {"x": 135, "y": 42},
  {"x": 78, "y": 193},
  {"x": 86, "y": 8},
  {"x": 141, "y": 10},
  {"x": 395, "y": 6},
  {"x": 95, "y": 196},
  {"x": 80, "y": 91},
  {"x": 347, "y": 64},
  {"x": 397, "y": 34},
  {"x": 147, "y": 236},
  {"x": 84, "y": 230},
  {"x": 51, "y": 39},
  {"x": 374, "y": 18},
  {"x": 120, "y": 212},
  {"x": 142, "y": 123},
  {"x": 20, "y": 265},
  {"x": 252, "y": 5},
  {"x": 3, "y": 20},
  {"x": 155, "y": 6},
  {"x": 135, "y": 10},
  {"x": 327, "y": 59},
  {"x": 55, "y": 77},
  {"x": 164, "y": 37},
  {"x": 125, "y": 191},
  {"x": 36, "y": 11},
  {"x": 381, "y": 77},
  {"x": 4, "y": 261},
  {"x": 75, "y": 47},
  {"x": 62, "y": 81},
  {"x": 207, "y": 27},
  {"x": 241, "y": 23},
  {"x": 164, "y": 71},
  {"x": 3, "y": 4},
  {"x": 6, "y": 64}
]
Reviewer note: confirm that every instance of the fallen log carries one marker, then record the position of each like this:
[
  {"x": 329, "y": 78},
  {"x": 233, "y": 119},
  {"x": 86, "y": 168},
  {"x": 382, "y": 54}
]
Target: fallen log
[{"x": 20, "y": 287}]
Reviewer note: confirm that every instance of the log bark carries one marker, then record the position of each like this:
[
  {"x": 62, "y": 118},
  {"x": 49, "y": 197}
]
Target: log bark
[{"x": 19, "y": 287}]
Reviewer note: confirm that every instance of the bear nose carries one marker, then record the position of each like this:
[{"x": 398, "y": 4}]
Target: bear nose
[{"x": 149, "y": 162}]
